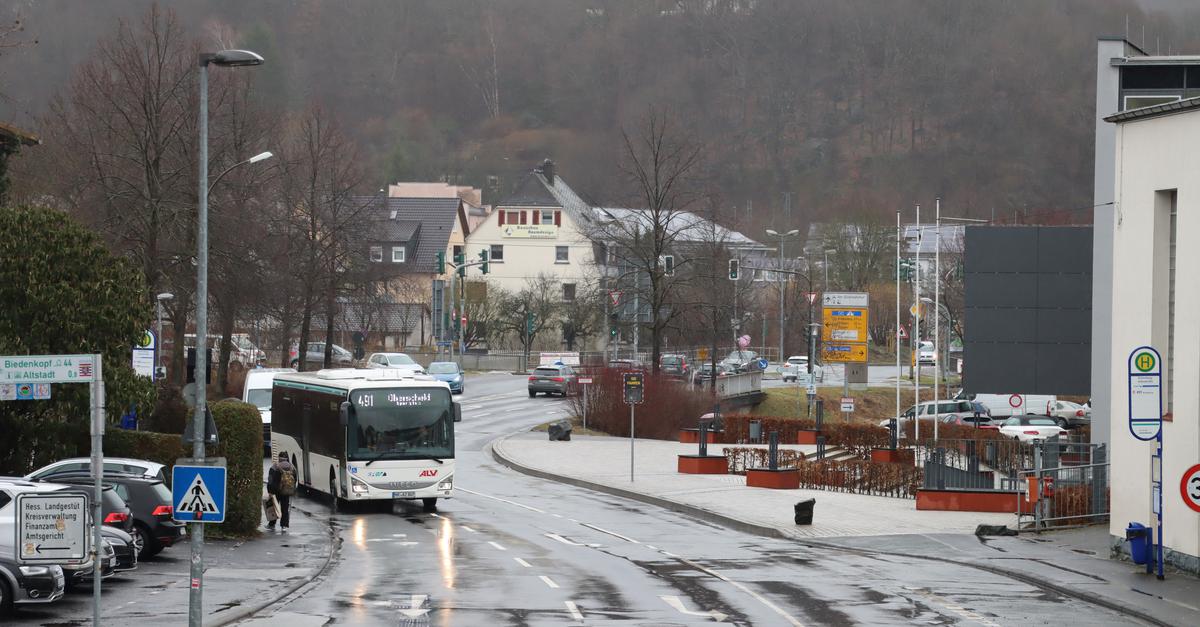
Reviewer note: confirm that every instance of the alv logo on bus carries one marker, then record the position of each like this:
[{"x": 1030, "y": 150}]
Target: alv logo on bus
[{"x": 428, "y": 473}]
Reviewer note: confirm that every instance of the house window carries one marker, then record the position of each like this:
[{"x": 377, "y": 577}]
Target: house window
[
  {"x": 377, "y": 254},
  {"x": 568, "y": 292},
  {"x": 458, "y": 250},
  {"x": 398, "y": 253},
  {"x": 497, "y": 253},
  {"x": 561, "y": 254},
  {"x": 547, "y": 217},
  {"x": 513, "y": 217}
]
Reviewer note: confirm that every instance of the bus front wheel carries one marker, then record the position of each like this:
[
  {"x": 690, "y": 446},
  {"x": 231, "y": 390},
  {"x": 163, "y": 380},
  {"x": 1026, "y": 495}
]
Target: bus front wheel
[
  {"x": 333, "y": 495},
  {"x": 429, "y": 505}
]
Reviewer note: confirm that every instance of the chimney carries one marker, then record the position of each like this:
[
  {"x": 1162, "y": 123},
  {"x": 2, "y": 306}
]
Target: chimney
[{"x": 548, "y": 171}]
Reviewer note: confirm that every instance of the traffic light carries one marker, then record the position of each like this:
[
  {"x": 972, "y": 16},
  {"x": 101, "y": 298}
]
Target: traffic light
[
  {"x": 668, "y": 264},
  {"x": 441, "y": 262},
  {"x": 483, "y": 256},
  {"x": 612, "y": 325},
  {"x": 733, "y": 269},
  {"x": 904, "y": 270},
  {"x": 459, "y": 262},
  {"x": 529, "y": 320}
]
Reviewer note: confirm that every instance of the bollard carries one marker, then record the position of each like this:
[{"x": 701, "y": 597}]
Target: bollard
[
  {"x": 773, "y": 450},
  {"x": 703, "y": 438},
  {"x": 820, "y": 447},
  {"x": 820, "y": 412},
  {"x": 893, "y": 427}
]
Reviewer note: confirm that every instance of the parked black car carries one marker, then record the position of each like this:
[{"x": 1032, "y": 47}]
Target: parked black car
[
  {"x": 149, "y": 501},
  {"x": 123, "y": 548}
]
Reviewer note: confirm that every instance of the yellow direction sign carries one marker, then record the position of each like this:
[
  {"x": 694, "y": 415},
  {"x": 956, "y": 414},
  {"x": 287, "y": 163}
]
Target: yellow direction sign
[
  {"x": 844, "y": 324},
  {"x": 843, "y": 353}
]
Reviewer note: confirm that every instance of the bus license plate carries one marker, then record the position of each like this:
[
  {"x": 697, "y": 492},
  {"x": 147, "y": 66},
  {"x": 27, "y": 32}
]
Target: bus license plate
[{"x": 403, "y": 495}]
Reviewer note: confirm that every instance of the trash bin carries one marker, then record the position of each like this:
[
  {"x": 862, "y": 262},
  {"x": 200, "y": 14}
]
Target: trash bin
[
  {"x": 804, "y": 511},
  {"x": 1140, "y": 539},
  {"x": 755, "y": 431}
]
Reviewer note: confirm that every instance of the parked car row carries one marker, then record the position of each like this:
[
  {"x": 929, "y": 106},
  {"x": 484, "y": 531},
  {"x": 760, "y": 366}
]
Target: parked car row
[{"x": 137, "y": 524}]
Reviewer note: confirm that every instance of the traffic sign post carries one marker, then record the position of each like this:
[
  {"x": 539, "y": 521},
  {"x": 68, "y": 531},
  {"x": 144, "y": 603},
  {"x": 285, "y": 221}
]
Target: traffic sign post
[
  {"x": 37, "y": 370},
  {"x": 52, "y": 527},
  {"x": 584, "y": 381},
  {"x": 844, "y": 333},
  {"x": 1189, "y": 487},
  {"x": 634, "y": 386},
  {"x": 198, "y": 491}
]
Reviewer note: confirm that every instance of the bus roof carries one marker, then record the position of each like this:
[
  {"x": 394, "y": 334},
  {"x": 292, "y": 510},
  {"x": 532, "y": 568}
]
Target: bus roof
[{"x": 360, "y": 378}]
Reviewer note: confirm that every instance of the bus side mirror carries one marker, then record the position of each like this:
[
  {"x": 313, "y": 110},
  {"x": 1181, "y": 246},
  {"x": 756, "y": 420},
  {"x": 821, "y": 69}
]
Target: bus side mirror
[
  {"x": 344, "y": 413},
  {"x": 457, "y": 412}
]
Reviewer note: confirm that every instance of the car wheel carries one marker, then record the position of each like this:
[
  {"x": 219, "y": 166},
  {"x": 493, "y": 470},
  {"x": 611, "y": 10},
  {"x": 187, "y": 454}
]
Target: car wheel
[
  {"x": 6, "y": 598},
  {"x": 532, "y": 394},
  {"x": 150, "y": 546},
  {"x": 1062, "y": 423},
  {"x": 429, "y": 505},
  {"x": 333, "y": 495}
]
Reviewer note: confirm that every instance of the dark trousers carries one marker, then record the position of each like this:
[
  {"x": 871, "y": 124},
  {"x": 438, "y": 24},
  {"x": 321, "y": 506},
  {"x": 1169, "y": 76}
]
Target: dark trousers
[{"x": 285, "y": 509}]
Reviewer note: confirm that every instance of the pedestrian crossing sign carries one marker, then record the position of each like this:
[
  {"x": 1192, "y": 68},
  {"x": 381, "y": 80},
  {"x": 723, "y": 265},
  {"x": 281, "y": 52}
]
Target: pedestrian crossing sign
[{"x": 198, "y": 493}]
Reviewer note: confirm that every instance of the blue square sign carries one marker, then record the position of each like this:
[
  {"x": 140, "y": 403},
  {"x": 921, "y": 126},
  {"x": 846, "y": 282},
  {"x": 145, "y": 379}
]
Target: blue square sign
[{"x": 198, "y": 493}]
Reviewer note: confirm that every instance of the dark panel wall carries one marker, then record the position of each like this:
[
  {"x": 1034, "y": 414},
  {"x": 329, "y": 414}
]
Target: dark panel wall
[{"x": 1028, "y": 318}]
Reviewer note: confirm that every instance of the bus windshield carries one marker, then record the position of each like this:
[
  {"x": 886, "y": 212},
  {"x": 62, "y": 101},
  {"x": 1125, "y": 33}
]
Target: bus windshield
[{"x": 405, "y": 423}]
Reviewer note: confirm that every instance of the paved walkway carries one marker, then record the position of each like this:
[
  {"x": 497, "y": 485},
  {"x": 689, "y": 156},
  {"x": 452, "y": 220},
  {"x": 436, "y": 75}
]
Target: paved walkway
[
  {"x": 1072, "y": 562},
  {"x": 605, "y": 461}
]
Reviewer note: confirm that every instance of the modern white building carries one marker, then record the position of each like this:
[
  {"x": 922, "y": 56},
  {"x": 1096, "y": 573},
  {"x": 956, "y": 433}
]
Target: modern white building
[{"x": 1155, "y": 301}]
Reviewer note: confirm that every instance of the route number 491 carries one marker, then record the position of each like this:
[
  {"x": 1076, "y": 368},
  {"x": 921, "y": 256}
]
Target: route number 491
[{"x": 1189, "y": 487}]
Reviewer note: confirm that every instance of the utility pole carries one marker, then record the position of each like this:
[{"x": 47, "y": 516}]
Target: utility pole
[
  {"x": 899, "y": 236},
  {"x": 938, "y": 358},
  {"x": 916, "y": 333}
]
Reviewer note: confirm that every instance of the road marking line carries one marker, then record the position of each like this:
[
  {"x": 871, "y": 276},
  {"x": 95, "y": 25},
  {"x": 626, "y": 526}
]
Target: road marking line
[
  {"x": 466, "y": 527},
  {"x": 473, "y": 407},
  {"x": 496, "y": 498},
  {"x": 548, "y": 581},
  {"x": 678, "y": 605},
  {"x": 556, "y": 515},
  {"x": 498, "y": 547},
  {"x": 481, "y": 415},
  {"x": 611, "y": 533},
  {"x": 574, "y": 610},
  {"x": 399, "y": 535},
  {"x": 758, "y": 597},
  {"x": 555, "y": 536},
  {"x": 651, "y": 547},
  {"x": 523, "y": 562},
  {"x": 434, "y": 515}
]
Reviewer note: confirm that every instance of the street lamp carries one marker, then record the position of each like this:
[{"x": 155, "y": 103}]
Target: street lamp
[
  {"x": 828, "y": 252},
  {"x": 158, "y": 300},
  {"x": 779, "y": 279},
  {"x": 225, "y": 58}
]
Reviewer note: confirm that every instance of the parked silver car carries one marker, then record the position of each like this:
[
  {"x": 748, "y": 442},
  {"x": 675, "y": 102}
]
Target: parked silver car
[
  {"x": 315, "y": 356},
  {"x": 549, "y": 380}
]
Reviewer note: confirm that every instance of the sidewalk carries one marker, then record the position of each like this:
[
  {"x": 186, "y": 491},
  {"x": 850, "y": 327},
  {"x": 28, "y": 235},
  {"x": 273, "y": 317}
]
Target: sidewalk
[{"x": 1071, "y": 562}]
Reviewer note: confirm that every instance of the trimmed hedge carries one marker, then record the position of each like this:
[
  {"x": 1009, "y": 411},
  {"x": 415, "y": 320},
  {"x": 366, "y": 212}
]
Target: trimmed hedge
[{"x": 240, "y": 428}]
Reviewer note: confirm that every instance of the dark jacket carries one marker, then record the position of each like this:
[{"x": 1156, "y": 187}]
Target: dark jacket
[{"x": 275, "y": 474}]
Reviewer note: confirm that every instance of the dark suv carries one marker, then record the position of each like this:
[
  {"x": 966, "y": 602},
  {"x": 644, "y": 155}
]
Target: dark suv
[
  {"x": 675, "y": 365},
  {"x": 149, "y": 502}
]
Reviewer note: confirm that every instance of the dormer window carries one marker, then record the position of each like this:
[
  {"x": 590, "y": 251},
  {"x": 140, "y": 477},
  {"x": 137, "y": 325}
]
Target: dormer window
[
  {"x": 398, "y": 254},
  {"x": 376, "y": 254}
]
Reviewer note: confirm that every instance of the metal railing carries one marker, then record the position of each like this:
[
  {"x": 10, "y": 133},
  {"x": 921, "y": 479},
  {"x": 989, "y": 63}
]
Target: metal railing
[
  {"x": 739, "y": 384},
  {"x": 1065, "y": 493}
]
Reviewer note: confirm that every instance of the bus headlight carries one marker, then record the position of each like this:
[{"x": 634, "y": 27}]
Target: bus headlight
[
  {"x": 446, "y": 484},
  {"x": 358, "y": 486}
]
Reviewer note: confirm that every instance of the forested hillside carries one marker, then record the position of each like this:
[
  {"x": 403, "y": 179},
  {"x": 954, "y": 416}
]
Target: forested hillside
[{"x": 848, "y": 105}]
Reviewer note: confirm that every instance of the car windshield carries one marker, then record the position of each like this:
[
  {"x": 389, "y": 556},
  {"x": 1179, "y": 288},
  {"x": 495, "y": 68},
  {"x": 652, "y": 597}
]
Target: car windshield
[
  {"x": 259, "y": 397},
  {"x": 443, "y": 367},
  {"x": 410, "y": 423},
  {"x": 400, "y": 359},
  {"x": 670, "y": 360}
]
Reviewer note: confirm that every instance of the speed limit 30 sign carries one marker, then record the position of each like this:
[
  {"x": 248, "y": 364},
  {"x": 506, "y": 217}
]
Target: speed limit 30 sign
[{"x": 1189, "y": 487}]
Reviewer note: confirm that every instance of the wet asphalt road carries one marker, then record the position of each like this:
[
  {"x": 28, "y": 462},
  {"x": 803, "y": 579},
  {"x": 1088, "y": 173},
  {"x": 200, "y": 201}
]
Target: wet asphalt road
[{"x": 515, "y": 550}]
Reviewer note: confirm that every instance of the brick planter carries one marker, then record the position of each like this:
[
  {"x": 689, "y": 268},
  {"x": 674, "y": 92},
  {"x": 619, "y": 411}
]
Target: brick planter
[
  {"x": 889, "y": 456},
  {"x": 963, "y": 500},
  {"x": 807, "y": 436},
  {"x": 692, "y": 436},
  {"x": 703, "y": 464},
  {"x": 783, "y": 479}
]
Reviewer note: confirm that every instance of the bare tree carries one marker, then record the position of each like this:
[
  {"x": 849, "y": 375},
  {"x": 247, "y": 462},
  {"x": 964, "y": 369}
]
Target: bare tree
[
  {"x": 531, "y": 311},
  {"x": 660, "y": 163}
]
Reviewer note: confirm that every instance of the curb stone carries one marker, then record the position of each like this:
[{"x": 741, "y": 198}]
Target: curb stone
[
  {"x": 773, "y": 532},
  {"x": 247, "y": 611}
]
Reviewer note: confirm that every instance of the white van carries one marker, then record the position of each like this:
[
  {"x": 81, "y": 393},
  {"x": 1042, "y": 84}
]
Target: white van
[
  {"x": 257, "y": 392},
  {"x": 1000, "y": 405}
]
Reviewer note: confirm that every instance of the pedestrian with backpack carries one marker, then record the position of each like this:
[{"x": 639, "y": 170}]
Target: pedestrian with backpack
[{"x": 281, "y": 482}]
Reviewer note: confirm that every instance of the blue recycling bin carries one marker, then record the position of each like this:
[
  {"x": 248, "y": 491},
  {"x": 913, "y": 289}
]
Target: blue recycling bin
[{"x": 1141, "y": 539}]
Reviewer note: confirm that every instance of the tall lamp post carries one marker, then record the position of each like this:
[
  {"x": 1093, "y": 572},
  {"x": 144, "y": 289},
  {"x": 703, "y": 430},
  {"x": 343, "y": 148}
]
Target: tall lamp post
[
  {"x": 225, "y": 58},
  {"x": 158, "y": 301},
  {"x": 827, "y": 252},
  {"x": 779, "y": 276}
]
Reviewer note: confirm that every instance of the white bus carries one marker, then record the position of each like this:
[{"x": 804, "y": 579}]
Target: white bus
[{"x": 362, "y": 435}]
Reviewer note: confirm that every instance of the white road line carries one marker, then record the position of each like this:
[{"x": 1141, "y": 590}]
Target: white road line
[
  {"x": 573, "y": 610},
  {"x": 466, "y": 527},
  {"x": 473, "y": 407},
  {"x": 399, "y": 535},
  {"x": 481, "y": 415},
  {"x": 498, "y": 547},
  {"x": 522, "y": 562},
  {"x": 555, "y": 536},
  {"x": 434, "y": 515},
  {"x": 548, "y": 581},
  {"x": 678, "y": 605},
  {"x": 611, "y": 533},
  {"x": 758, "y": 597},
  {"x": 496, "y": 498},
  {"x": 556, "y": 515}
]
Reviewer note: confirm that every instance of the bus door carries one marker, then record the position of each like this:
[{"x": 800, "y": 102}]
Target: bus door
[{"x": 306, "y": 440}]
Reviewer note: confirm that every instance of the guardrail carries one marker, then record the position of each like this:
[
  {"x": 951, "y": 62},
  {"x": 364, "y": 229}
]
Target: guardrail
[{"x": 739, "y": 384}]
